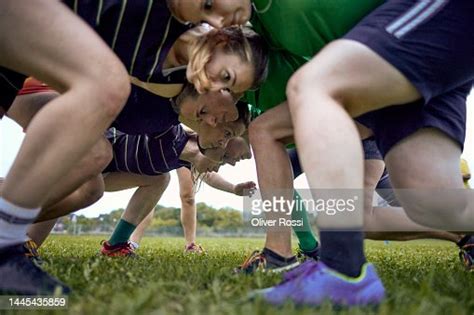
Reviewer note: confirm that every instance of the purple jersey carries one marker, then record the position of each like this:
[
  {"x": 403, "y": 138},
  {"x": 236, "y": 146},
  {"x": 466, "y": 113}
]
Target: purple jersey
[
  {"x": 147, "y": 154},
  {"x": 146, "y": 113},
  {"x": 140, "y": 32}
]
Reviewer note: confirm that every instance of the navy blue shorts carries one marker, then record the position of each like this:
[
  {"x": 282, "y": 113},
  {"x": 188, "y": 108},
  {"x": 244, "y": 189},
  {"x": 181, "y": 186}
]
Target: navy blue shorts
[
  {"x": 446, "y": 113},
  {"x": 147, "y": 154},
  {"x": 430, "y": 41},
  {"x": 10, "y": 83}
]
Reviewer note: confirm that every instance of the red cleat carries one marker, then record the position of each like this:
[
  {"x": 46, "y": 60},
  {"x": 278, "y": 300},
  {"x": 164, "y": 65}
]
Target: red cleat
[{"x": 117, "y": 250}]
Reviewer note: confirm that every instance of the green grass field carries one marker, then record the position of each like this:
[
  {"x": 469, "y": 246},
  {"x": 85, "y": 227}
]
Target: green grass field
[{"x": 420, "y": 278}]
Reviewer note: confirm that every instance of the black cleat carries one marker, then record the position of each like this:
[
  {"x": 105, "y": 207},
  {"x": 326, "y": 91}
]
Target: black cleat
[
  {"x": 266, "y": 261},
  {"x": 23, "y": 277}
]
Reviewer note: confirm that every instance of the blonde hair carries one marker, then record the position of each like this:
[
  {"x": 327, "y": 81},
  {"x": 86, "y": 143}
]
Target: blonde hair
[{"x": 238, "y": 40}]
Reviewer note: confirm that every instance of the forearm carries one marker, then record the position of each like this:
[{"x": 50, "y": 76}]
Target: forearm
[{"x": 218, "y": 182}]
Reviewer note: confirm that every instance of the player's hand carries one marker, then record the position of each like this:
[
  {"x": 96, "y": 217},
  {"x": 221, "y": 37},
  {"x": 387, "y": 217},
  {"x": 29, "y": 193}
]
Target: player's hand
[{"x": 239, "y": 189}]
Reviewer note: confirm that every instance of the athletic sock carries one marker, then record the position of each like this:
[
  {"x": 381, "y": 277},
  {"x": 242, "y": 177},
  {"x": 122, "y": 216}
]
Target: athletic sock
[
  {"x": 277, "y": 260},
  {"x": 122, "y": 232},
  {"x": 306, "y": 239},
  {"x": 467, "y": 239},
  {"x": 14, "y": 222},
  {"x": 135, "y": 245},
  {"x": 343, "y": 251}
]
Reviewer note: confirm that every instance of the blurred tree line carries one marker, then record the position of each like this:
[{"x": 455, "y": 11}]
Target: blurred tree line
[{"x": 165, "y": 220}]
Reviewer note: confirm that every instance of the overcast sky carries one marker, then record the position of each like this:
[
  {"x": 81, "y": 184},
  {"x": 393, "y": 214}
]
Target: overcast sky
[{"x": 11, "y": 136}]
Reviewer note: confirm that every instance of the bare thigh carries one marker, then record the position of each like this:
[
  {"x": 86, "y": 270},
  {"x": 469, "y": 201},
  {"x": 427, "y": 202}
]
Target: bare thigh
[{"x": 355, "y": 76}]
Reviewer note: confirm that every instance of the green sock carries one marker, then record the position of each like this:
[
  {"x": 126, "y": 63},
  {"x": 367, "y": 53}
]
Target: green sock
[
  {"x": 306, "y": 238},
  {"x": 122, "y": 232}
]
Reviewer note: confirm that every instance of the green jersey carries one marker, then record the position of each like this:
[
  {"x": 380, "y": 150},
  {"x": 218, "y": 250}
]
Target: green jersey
[
  {"x": 303, "y": 27},
  {"x": 296, "y": 30},
  {"x": 281, "y": 66}
]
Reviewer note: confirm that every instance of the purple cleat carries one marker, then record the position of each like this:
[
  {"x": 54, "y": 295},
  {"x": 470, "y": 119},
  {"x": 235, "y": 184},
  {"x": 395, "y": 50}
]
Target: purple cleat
[{"x": 314, "y": 283}]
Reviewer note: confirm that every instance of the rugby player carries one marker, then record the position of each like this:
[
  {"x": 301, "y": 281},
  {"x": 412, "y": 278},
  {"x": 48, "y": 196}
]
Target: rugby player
[
  {"x": 95, "y": 86},
  {"x": 389, "y": 58}
]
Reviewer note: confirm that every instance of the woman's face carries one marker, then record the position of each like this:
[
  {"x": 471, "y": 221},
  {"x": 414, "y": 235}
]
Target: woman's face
[
  {"x": 218, "y": 13},
  {"x": 212, "y": 108},
  {"x": 237, "y": 149},
  {"x": 226, "y": 72},
  {"x": 219, "y": 136}
]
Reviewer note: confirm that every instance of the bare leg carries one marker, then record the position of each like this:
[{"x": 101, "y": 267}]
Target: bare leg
[
  {"x": 94, "y": 82},
  {"x": 83, "y": 197},
  {"x": 346, "y": 79},
  {"x": 137, "y": 235},
  {"x": 145, "y": 198},
  {"x": 38, "y": 232},
  {"x": 392, "y": 223},
  {"x": 23, "y": 110},
  {"x": 188, "y": 205},
  {"x": 86, "y": 195},
  {"x": 435, "y": 157},
  {"x": 268, "y": 135}
]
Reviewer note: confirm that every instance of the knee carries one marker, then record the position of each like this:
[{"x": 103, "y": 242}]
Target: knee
[
  {"x": 442, "y": 212},
  {"x": 297, "y": 85},
  {"x": 308, "y": 83},
  {"x": 158, "y": 183},
  {"x": 109, "y": 93},
  {"x": 259, "y": 132},
  {"x": 98, "y": 158},
  {"x": 162, "y": 181},
  {"x": 187, "y": 198},
  {"x": 93, "y": 190},
  {"x": 102, "y": 154}
]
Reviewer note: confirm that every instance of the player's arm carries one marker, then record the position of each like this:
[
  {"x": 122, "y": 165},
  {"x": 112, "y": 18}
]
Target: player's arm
[{"x": 218, "y": 182}]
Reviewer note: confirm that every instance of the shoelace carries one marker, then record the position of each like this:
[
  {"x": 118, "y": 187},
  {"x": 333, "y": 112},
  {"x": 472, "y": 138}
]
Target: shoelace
[{"x": 32, "y": 249}]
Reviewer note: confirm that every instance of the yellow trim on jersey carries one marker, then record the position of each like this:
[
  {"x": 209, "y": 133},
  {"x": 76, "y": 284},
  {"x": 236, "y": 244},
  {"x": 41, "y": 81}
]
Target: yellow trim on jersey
[{"x": 164, "y": 90}]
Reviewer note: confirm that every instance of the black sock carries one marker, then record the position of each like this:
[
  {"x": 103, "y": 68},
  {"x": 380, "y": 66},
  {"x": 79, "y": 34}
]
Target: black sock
[
  {"x": 277, "y": 259},
  {"x": 343, "y": 251},
  {"x": 466, "y": 239}
]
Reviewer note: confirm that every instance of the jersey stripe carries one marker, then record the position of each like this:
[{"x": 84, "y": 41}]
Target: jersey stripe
[
  {"x": 137, "y": 46},
  {"x": 119, "y": 23},
  {"x": 99, "y": 12},
  {"x": 126, "y": 154},
  {"x": 149, "y": 155},
  {"x": 399, "y": 22},
  {"x": 163, "y": 155},
  {"x": 136, "y": 155},
  {"x": 425, "y": 15},
  {"x": 157, "y": 57}
]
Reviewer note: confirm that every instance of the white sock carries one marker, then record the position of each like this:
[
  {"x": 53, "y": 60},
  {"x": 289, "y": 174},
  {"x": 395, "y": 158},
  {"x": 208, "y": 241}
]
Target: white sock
[
  {"x": 135, "y": 245},
  {"x": 14, "y": 222}
]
